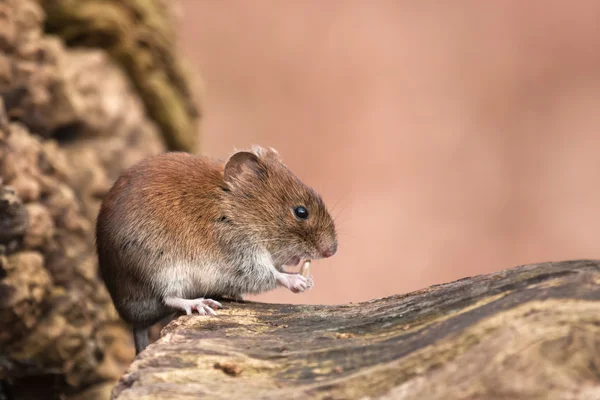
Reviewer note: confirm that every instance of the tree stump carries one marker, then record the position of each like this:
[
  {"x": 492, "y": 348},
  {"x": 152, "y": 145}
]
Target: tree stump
[{"x": 532, "y": 332}]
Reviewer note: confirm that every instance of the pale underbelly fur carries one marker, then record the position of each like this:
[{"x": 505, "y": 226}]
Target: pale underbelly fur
[{"x": 190, "y": 280}]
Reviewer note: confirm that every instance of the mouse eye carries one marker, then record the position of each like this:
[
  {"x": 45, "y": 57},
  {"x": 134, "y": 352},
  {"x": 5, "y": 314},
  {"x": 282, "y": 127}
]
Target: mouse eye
[{"x": 301, "y": 212}]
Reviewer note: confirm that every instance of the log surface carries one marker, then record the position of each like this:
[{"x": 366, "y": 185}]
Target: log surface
[{"x": 531, "y": 332}]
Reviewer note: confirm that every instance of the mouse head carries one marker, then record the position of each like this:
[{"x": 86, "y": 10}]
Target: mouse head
[{"x": 279, "y": 212}]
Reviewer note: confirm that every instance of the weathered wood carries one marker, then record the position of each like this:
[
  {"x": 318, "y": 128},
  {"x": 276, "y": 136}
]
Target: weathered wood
[{"x": 531, "y": 332}]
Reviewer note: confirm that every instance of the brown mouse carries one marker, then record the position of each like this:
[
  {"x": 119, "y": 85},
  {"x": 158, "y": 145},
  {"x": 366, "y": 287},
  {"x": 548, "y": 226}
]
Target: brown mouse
[{"x": 177, "y": 229}]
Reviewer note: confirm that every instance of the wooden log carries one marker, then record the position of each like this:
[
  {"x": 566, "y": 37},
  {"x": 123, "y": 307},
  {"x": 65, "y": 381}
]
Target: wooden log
[{"x": 532, "y": 332}]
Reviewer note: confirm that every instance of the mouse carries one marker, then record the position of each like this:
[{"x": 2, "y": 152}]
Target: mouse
[{"x": 178, "y": 230}]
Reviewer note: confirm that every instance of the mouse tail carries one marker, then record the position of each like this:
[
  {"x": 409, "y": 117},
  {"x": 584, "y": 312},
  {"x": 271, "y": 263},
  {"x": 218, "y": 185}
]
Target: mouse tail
[{"x": 140, "y": 337}]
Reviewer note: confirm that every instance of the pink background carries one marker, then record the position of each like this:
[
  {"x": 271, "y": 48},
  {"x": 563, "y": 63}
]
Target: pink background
[{"x": 457, "y": 138}]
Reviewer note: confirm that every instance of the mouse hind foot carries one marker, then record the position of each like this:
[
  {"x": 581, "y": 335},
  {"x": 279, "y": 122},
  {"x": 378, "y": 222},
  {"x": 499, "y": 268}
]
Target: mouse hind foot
[
  {"x": 202, "y": 305},
  {"x": 140, "y": 337}
]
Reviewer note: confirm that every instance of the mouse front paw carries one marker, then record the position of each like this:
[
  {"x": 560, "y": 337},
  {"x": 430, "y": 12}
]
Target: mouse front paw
[{"x": 295, "y": 282}]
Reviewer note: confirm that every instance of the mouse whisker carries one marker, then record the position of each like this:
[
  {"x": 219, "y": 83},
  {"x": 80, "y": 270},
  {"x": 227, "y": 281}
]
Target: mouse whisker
[
  {"x": 338, "y": 202},
  {"x": 340, "y": 213}
]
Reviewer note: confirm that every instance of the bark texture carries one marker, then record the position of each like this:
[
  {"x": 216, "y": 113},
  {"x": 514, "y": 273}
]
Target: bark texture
[
  {"x": 531, "y": 332},
  {"x": 70, "y": 121},
  {"x": 140, "y": 36}
]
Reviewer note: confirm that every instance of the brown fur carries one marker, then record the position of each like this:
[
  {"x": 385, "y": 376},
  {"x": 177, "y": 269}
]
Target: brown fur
[{"x": 177, "y": 217}]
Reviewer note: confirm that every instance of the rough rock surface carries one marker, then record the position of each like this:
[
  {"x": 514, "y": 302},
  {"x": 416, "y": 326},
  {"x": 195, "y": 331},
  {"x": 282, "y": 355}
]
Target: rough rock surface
[
  {"x": 531, "y": 332},
  {"x": 70, "y": 121}
]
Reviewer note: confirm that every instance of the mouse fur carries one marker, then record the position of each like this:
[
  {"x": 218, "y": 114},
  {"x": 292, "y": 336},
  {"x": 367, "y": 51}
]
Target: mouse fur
[{"x": 178, "y": 227}]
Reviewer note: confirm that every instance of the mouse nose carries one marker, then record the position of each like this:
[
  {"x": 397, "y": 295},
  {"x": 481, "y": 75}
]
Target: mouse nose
[{"x": 328, "y": 251}]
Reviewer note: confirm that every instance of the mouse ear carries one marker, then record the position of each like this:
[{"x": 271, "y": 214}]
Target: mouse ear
[
  {"x": 241, "y": 163},
  {"x": 272, "y": 154},
  {"x": 266, "y": 154}
]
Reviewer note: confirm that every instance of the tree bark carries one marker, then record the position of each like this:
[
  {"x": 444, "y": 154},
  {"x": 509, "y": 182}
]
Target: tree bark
[
  {"x": 531, "y": 332},
  {"x": 141, "y": 37},
  {"x": 70, "y": 121}
]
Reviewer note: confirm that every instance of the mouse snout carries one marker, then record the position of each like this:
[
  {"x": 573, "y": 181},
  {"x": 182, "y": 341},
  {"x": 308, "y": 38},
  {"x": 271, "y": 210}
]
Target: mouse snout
[
  {"x": 327, "y": 250},
  {"x": 327, "y": 253}
]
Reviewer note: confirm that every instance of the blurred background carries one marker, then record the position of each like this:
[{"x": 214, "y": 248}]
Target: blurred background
[
  {"x": 454, "y": 139},
  {"x": 449, "y": 139}
]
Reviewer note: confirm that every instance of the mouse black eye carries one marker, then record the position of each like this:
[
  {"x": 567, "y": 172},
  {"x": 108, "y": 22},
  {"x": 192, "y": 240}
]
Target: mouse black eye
[{"x": 301, "y": 212}]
